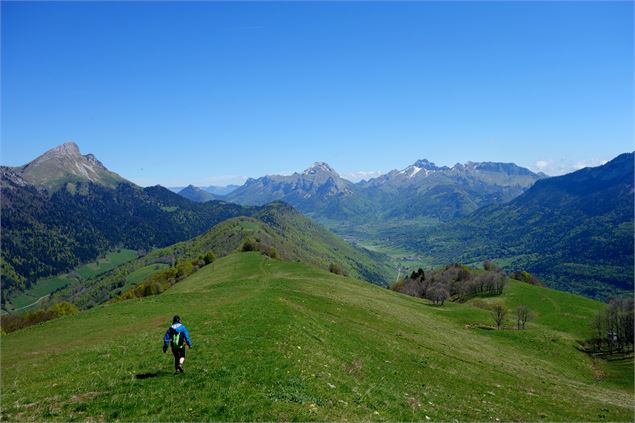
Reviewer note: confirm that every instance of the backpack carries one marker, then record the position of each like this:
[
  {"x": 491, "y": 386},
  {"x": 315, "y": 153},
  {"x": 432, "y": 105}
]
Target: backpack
[{"x": 177, "y": 339}]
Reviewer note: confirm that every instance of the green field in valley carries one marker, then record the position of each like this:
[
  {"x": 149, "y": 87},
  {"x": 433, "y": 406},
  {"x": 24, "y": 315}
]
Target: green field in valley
[
  {"x": 281, "y": 341},
  {"x": 43, "y": 287},
  {"x": 104, "y": 264}
]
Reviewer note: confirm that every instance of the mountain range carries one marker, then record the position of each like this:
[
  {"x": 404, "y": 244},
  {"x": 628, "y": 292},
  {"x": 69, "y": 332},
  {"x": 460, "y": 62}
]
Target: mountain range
[
  {"x": 421, "y": 189},
  {"x": 64, "y": 208},
  {"x": 574, "y": 231},
  {"x": 319, "y": 191}
]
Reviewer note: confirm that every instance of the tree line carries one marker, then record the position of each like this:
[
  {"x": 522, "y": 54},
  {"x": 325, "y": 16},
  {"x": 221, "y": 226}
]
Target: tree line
[
  {"x": 454, "y": 282},
  {"x": 613, "y": 327},
  {"x": 12, "y": 322},
  {"x": 161, "y": 281}
]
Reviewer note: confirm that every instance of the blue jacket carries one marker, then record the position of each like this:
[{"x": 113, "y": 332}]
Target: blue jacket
[{"x": 176, "y": 328}]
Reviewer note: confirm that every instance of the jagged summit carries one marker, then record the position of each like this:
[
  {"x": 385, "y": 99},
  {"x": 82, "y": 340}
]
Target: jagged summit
[
  {"x": 420, "y": 165},
  {"x": 68, "y": 148},
  {"x": 65, "y": 163},
  {"x": 425, "y": 164},
  {"x": 425, "y": 168},
  {"x": 317, "y": 188},
  {"x": 320, "y": 167}
]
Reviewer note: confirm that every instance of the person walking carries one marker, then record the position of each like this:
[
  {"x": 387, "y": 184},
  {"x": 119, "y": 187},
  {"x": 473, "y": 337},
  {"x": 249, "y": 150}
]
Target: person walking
[{"x": 177, "y": 336}]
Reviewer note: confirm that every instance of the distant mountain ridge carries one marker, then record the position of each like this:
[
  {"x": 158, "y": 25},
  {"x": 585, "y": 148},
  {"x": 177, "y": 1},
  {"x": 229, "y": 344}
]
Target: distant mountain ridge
[
  {"x": 196, "y": 194},
  {"x": 318, "y": 191},
  {"x": 574, "y": 230},
  {"x": 421, "y": 189},
  {"x": 218, "y": 191},
  {"x": 425, "y": 189}
]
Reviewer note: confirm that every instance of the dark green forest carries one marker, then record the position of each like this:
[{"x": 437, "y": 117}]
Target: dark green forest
[{"x": 45, "y": 234}]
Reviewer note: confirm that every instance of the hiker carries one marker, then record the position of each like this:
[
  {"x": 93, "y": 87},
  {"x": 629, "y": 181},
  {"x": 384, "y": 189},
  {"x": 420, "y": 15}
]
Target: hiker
[{"x": 177, "y": 336}]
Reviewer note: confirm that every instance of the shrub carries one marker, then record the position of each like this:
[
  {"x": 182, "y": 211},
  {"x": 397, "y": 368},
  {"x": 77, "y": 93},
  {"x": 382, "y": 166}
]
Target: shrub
[
  {"x": 269, "y": 251},
  {"x": 63, "y": 309},
  {"x": 250, "y": 244},
  {"x": 209, "y": 257},
  {"x": 337, "y": 269},
  {"x": 526, "y": 277},
  {"x": 489, "y": 265}
]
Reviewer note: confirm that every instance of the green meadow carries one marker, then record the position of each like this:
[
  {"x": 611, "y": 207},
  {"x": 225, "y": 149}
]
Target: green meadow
[{"x": 280, "y": 341}]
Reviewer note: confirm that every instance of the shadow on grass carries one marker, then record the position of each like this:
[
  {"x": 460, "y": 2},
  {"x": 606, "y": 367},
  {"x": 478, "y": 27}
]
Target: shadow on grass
[{"x": 149, "y": 375}]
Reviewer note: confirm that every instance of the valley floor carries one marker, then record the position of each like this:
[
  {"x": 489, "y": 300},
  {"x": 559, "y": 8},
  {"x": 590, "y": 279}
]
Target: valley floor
[{"x": 283, "y": 341}]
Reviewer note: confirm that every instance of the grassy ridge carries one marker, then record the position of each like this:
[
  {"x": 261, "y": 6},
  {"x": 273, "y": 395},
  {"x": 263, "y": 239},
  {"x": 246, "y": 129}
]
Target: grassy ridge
[
  {"x": 277, "y": 225},
  {"x": 283, "y": 341}
]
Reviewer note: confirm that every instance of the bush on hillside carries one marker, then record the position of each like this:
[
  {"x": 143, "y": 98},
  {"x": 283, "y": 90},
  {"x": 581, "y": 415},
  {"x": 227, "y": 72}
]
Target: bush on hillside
[
  {"x": 251, "y": 244},
  {"x": 527, "y": 277},
  {"x": 63, "y": 309},
  {"x": 209, "y": 257},
  {"x": 337, "y": 269}
]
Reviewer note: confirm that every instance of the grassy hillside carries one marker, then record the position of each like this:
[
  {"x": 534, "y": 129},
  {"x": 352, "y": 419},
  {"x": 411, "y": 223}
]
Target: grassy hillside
[
  {"x": 28, "y": 299},
  {"x": 277, "y": 225},
  {"x": 283, "y": 341}
]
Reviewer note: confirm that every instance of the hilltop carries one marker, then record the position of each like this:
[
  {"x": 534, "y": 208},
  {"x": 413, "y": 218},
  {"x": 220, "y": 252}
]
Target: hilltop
[{"x": 277, "y": 340}]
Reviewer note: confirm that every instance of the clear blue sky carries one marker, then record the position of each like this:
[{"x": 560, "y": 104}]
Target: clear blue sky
[{"x": 205, "y": 93}]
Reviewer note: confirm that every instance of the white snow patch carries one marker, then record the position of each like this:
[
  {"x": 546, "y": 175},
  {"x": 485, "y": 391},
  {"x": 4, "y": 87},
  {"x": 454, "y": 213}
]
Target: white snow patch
[{"x": 414, "y": 171}]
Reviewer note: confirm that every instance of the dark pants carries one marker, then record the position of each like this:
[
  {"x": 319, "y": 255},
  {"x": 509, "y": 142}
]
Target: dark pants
[{"x": 178, "y": 353}]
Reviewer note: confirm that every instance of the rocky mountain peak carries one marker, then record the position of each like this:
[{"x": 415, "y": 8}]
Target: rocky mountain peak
[
  {"x": 320, "y": 167},
  {"x": 425, "y": 164},
  {"x": 65, "y": 163},
  {"x": 68, "y": 150}
]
